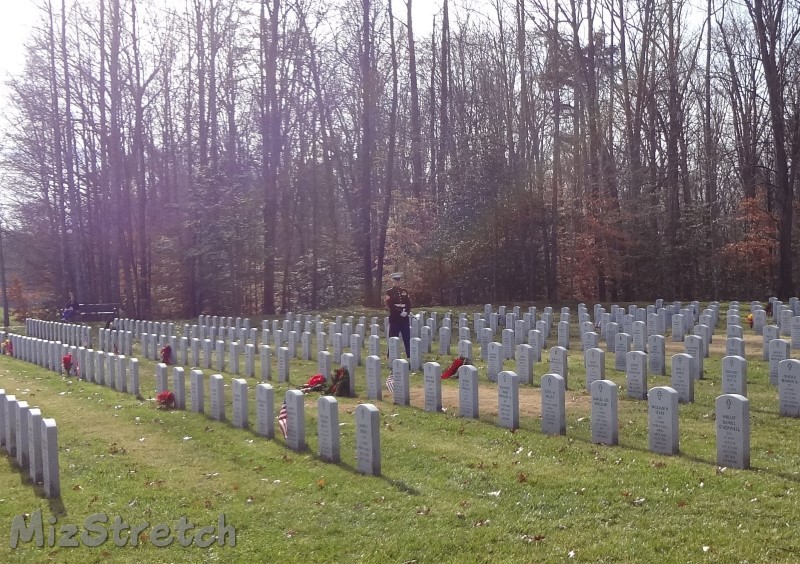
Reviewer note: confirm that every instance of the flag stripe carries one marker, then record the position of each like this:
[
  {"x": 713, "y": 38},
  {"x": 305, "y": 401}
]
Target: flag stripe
[
  {"x": 390, "y": 383},
  {"x": 283, "y": 421}
]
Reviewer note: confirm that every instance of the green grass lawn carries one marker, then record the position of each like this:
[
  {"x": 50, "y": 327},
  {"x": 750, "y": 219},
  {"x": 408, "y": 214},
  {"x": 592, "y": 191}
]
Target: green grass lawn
[{"x": 451, "y": 490}]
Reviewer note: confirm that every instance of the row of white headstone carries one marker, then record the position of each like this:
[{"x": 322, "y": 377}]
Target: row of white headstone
[
  {"x": 733, "y": 423},
  {"x": 68, "y": 333},
  {"x": 367, "y": 415},
  {"x": 32, "y": 350},
  {"x": 108, "y": 369},
  {"x": 31, "y": 440}
]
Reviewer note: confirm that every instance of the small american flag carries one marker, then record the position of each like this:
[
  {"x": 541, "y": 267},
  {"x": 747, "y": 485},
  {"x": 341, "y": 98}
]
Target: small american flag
[
  {"x": 283, "y": 420},
  {"x": 390, "y": 383}
]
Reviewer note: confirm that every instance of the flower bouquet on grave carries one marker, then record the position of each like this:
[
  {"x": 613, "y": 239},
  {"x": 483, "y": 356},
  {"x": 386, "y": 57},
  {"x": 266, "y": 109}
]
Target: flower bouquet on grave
[
  {"x": 340, "y": 383},
  {"x": 165, "y": 400},
  {"x": 66, "y": 362},
  {"x": 452, "y": 370},
  {"x": 166, "y": 355},
  {"x": 315, "y": 384}
]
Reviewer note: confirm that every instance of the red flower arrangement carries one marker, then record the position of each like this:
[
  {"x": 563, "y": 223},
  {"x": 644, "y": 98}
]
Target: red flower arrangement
[
  {"x": 315, "y": 384},
  {"x": 453, "y": 368},
  {"x": 165, "y": 400},
  {"x": 166, "y": 355},
  {"x": 340, "y": 383},
  {"x": 66, "y": 362}
]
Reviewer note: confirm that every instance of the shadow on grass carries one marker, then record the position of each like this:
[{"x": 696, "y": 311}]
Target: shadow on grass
[
  {"x": 692, "y": 458},
  {"x": 400, "y": 485},
  {"x": 56, "y": 505}
]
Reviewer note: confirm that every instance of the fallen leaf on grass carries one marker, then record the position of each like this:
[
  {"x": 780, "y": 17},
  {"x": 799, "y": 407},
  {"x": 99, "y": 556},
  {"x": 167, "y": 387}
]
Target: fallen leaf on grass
[
  {"x": 658, "y": 464},
  {"x": 116, "y": 449},
  {"x": 495, "y": 494},
  {"x": 682, "y": 503},
  {"x": 321, "y": 483},
  {"x": 481, "y": 523},
  {"x": 424, "y": 510},
  {"x": 77, "y": 488},
  {"x": 290, "y": 534},
  {"x": 522, "y": 478},
  {"x": 286, "y": 458},
  {"x": 532, "y": 538}
]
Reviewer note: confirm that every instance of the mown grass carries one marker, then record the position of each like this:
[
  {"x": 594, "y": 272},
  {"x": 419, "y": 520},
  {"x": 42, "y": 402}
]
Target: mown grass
[{"x": 452, "y": 489}]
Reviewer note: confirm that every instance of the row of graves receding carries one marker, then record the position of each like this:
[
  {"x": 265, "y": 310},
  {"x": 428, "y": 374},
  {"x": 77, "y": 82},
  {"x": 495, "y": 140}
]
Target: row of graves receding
[
  {"x": 31, "y": 441},
  {"x": 635, "y": 335}
]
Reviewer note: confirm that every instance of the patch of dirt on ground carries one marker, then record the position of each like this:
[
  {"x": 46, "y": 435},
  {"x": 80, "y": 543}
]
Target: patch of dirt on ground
[{"x": 530, "y": 400}]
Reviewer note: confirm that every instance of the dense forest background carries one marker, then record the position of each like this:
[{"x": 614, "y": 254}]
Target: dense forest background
[{"x": 246, "y": 156}]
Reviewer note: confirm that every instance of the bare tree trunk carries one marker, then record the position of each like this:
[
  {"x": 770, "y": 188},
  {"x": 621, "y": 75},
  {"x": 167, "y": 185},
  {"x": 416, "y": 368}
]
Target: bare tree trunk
[
  {"x": 767, "y": 21},
  {"x": 66, "y": 280},
  {"x": 417, "y": 172},
  {"x": 368, "y": 137},
  {"x": 387, "y": 201},
  {"x": 270, "y": 124},
  {"x": 3, "y": 284},
  {"x": 552, "y": 278},
  {"x": 116, "y": 156},
  {"x": 444, "y": 103},
  {"x": 76, "y": 253}
]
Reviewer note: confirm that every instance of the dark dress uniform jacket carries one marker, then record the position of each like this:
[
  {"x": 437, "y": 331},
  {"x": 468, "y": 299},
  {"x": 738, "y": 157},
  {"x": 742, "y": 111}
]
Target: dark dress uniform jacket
[{"x": 398, "y": 301}]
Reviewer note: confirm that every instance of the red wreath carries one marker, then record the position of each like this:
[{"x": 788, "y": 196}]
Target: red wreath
[
  {"x": 453, "y": 368},
  {"x": 165, "y": 400},
  {"x": 66, "y": 361},
  {"x": 166, "y": 355},
  {"x": 315, "y": 384}
]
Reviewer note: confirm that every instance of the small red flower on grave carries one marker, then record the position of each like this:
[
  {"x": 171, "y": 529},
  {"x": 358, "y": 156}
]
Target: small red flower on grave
[
  {"x": 340, "y": 383},
  {"x": 165, "y": 400},
  {"x": 453, "y": 368},
  {"x": 66, "y": 362},
  {"x": 166, "y": 355}
]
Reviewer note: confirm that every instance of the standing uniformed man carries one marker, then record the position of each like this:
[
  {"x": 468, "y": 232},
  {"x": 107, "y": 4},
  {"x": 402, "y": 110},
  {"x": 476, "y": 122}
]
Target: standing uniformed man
[{"x": 399, "y": 304}]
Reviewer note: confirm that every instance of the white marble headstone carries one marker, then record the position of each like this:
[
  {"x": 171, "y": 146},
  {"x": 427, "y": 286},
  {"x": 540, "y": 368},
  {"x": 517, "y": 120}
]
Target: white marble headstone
[
  {"x": 605, "y": 419},
  {"x": 733, "y": 431},
  {"x": 554, "y": 421},
  {"x": 663, "y": 420},
  {"x": 368, "y": 446}
]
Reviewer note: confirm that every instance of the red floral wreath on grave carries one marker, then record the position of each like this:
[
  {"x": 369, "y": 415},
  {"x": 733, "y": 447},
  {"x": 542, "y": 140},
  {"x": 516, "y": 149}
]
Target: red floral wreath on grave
[
  {"x": 453, "y": 368},
  {"x": 165, "y": 400},
  {"x": 340, "y": 383},
  {"x": 166, "y": 355},
  {"x": 315, "y": 384},
  {"x": 66, "y": 362}
]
